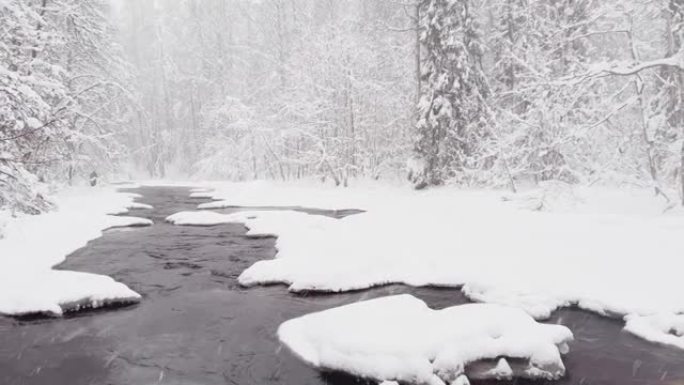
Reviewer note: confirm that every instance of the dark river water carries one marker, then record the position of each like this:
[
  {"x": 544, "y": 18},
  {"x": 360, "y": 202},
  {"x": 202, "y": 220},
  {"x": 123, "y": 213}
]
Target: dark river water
[{"x": 196, "y": 326}]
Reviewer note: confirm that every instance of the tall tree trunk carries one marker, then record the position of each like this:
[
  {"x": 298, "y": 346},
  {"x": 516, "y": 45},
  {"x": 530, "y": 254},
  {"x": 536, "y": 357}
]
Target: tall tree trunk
[
  {"x": 417, "y": 48},
  {"x": 39, "y": 27}
]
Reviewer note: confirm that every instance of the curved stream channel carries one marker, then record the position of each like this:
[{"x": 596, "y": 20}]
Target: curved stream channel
[{"x": 196, "y": 326}]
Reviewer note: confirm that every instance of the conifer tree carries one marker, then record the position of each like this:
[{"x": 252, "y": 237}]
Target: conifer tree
[{"x": 452, "y": 110}]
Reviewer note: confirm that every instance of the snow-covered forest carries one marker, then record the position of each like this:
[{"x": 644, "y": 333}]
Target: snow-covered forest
[
  {"x": 475, "y": 185},
  {"x": 495, "y": 93}
]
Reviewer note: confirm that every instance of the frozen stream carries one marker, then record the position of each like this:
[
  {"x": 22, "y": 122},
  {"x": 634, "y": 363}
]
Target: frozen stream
[{"x": 196, "y": 326}]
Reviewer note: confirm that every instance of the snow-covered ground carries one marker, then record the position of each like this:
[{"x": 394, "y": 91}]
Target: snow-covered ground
[
  {"x": 31, "y": 245},
  {"x": 399, "y": 338},
  {"x": 614, "y": 252}
]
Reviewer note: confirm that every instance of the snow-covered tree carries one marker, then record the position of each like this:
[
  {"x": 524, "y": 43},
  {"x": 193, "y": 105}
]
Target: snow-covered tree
[
  {"x": 60, "y": 103},
  {"x": 32, "y": 103},
  {"x": 328, "y": 86},
  {"x": 452, "y": 108},
  {"x": 96, "y": 79}
]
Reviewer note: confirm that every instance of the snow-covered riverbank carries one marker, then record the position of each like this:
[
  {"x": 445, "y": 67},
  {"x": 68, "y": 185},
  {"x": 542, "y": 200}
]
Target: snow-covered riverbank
[
  {"x": 609, "y": 251},
  {"x": 32, "y": 245}
]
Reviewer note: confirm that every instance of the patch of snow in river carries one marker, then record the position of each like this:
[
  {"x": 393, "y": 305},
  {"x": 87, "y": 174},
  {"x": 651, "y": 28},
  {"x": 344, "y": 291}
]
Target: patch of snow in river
[
  {"x": 399, "y": 338},
  {"x": 197, "y": 218}
]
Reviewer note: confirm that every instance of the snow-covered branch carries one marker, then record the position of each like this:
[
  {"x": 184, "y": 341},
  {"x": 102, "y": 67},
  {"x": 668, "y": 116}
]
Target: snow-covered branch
[{"x": 633, "y": 68}]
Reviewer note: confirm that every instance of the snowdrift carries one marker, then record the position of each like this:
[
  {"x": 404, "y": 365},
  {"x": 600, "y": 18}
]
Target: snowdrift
[
  {"x": 608, "y": 251},
  {"x": 33, "y": 244},
  {"x": 399, "y": 338}
]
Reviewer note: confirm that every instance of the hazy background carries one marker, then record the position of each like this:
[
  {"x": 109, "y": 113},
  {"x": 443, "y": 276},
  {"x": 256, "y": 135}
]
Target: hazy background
[{"x": 480, "y": 93}]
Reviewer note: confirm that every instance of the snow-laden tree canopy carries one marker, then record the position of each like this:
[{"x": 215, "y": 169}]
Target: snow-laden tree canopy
[
  {"x": 61, "y": 98},
  {"x": 498, "y": 94}
]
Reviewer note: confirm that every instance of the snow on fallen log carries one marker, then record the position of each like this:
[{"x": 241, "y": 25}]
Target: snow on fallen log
[{"x": 399, "y": 338}]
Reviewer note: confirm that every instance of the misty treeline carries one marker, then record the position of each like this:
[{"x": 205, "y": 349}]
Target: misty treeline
[{"x": 501, "y": 93}]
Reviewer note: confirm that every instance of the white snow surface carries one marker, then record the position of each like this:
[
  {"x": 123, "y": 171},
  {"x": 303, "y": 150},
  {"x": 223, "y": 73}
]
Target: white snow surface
[
  {"x": 198, "y": 218},
  {"x": 666, "y": 329},
  {"x": 399, "y": 338},
  {"x": 611, "y": 251},
  {"x": 33, "y": 244},
  {"x": 139, "y": 206}
]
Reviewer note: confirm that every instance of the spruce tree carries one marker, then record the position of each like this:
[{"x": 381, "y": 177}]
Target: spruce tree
[{"x": 452, "y": 107}]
